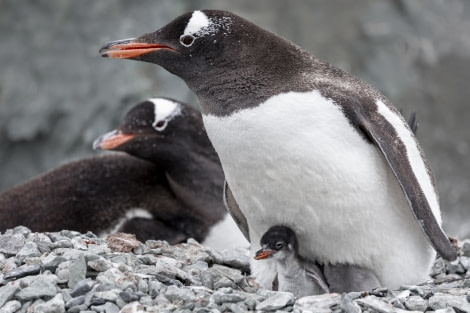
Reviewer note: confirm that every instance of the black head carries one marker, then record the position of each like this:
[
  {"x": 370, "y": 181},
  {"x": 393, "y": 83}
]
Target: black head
[
  {"x": 159, "y": 130},
  {"x": 275, "y": 241},
  {"x": 214, "y": 51}
]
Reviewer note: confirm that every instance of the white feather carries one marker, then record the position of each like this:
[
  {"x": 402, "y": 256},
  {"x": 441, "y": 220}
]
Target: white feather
[{"x": 295, "y": 160}]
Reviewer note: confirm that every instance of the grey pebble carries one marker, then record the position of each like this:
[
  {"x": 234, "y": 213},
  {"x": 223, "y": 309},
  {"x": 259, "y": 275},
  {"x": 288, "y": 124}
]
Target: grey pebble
[
  {"x": 10, "y": 306},
  {"x": 51, "y": 262},
  {"x": 11, "y": 244},
  {"x": 7, "y": 292},
  {"x": 276, "y": 301},
  {"x": 55, "y": 305},
  {"x": 37, "y": 289},
  {"x": 77, "y": 271},
  {"x": 22, "y": 271},
  {"x": 128, "y": 296},
  {"x": 347, "y": 304},
  {"x": 174, "y": 294},
  {"x": 75, "y": 301},
  {"x": 219, "y": 297},
  {"x": 82, "y": 287},
  {"x": 416, "y": 303},
  {"x": 29, "y": 250}
]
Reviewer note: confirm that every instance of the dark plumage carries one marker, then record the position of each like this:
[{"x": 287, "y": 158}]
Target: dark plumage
[
  {"x": 306, "y": 145},
  {"x": 174, "y": 175}
]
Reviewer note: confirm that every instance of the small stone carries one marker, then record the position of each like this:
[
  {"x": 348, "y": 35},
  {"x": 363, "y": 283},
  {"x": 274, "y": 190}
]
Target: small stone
[
  {"x": 78, "y": 309},
  {"x": 133, "y": 307},
  {"x": 174, "y": 294},
  {"x": 416, "y": 303},
  {"x": 51, "y": 262},
  {"x": 224, "y": 282},
  {"x": 442, "y": 301},
  {"x": 55, "y": 305},
  {"x": 128, "y": 296},
  {"x": 414, "y": 289},
  {"x": 37, "y": 289},
  {"x": 318, "y": 303},
  {"x": 122, "y": 242},
  {"x": 376, "y": 305},
  {"x": 237, "y": 258},
  {"x": 77, "y": 271},
  {"x": 347, "y": 305},
  {"x": 30, "y": 249},
  {"x": 219, "y": 297},
  {"x": 82, "y": 287},
  {"x": 22, "y": 271},
  {"x": 465, "y": 261},
  {"x": 100, "y": 265},
  {"x": 11, "y": 244},
  {"x": 75, "y": 301},
  {"x": 10, "y": 306},
  {"x": 455, "y": 267},
  {"x": 79, "y": 244},
  {"x": 21, "y": 230},
  {"x": 109, "y": 295},
  {"x": 446, "y": 310},
  {"x": 465, "y": 249},
  {"x": 278, "y": 301},
  {"x": 7, "y": 292},
  {"x": 154, "y": 288}
]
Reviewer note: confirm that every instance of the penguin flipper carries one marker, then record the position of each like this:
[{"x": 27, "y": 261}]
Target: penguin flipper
[
  {"x": 234, "y": 210},
  {"x": 383, "y": 134}
]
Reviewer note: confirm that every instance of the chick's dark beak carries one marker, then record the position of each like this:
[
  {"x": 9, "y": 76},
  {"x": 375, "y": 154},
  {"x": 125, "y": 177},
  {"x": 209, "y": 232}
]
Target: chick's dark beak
[{"x": 263, "y": 254}]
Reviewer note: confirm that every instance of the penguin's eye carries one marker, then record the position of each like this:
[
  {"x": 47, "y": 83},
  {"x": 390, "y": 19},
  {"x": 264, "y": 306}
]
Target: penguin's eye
[
  {"x": 279, "y": 245},
  {"x": 187, "y": 40}
]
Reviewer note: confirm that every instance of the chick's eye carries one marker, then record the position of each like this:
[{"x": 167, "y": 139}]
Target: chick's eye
[
  {"x": 279, "y": 245},
  {"x": 187, "y": 40}
]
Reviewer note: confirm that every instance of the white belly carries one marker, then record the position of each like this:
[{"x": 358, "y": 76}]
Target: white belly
[{"x": 317, "y": 175}]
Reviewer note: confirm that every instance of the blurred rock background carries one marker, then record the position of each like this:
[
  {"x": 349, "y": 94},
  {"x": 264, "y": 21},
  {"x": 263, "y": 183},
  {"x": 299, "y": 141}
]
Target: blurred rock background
[{"x": 57, "y": 94}]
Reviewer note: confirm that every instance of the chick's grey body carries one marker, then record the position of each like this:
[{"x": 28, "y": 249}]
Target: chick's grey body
[
  {"x": 306, "y": 145},
  {"x": 294, "y": 273}
]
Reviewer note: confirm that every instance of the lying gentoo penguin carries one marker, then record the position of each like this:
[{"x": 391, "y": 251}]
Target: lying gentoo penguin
[
  {"x": 174, "y": 194},
  {"x": 306, "y": 145},
  {"x": 171, "y": 135},
  {"x": 295, "y": 274}
]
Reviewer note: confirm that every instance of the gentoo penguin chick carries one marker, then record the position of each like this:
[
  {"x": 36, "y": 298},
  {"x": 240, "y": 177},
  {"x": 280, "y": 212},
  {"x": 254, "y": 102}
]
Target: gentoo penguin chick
[
  {"x": 306, "y": 145},
  {"x": 294, "y": 273},
  {"x": 171, "y": 135}
]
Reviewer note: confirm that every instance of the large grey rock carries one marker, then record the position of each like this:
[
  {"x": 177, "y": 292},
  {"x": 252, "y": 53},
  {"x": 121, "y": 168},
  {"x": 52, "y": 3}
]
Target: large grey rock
[
  {"x": 78, "y": 270},
  {"x": 11, "y": 244},
  {"x": 277, "y": 301},
  {"x": 55, "y": 305},
  {"x": 10, "y": 306},
  {"x": 38, "y": 289},
  {"x": 7, "y": 292}
]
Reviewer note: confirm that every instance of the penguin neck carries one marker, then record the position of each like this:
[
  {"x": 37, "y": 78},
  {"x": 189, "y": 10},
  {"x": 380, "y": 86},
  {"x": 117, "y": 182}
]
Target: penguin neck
[
  {"x": 230, "y": 87},
  {"x": 198, "y": 180},
  {"x": 291, "y": 266}
]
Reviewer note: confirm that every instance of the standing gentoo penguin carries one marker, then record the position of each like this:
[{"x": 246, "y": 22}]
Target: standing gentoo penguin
[
  {"x": 171, "y": 189},
  {"x": 295, "y": 274},
  {"x": 306, "y": 145}
]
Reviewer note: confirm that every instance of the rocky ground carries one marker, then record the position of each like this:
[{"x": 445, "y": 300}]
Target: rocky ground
[{"x": 71, "y": 272}]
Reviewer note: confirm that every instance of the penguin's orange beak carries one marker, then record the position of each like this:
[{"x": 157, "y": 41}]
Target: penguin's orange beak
[
  {"x": 129, "y": 48},
  {"x": 263, "y": 254},
  {"x": 111, "y": 140}
]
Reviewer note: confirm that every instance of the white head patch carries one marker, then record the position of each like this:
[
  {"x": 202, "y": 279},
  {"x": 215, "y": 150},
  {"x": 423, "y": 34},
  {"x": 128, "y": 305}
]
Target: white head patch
[
  {"x": 165, "y": 110},
  {"x": 199, "y": 24}
]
